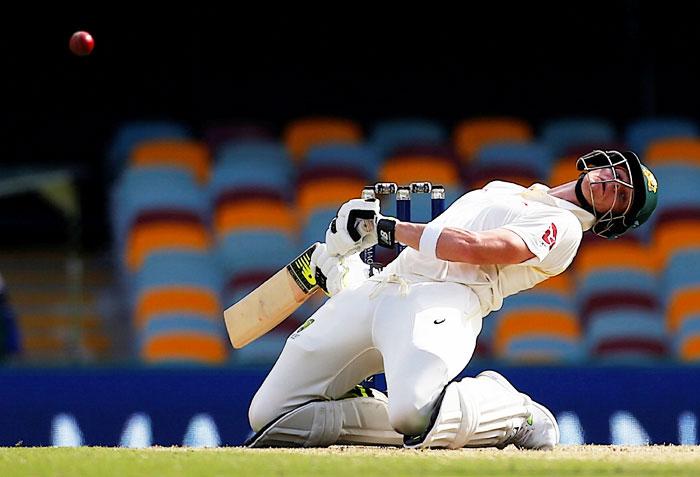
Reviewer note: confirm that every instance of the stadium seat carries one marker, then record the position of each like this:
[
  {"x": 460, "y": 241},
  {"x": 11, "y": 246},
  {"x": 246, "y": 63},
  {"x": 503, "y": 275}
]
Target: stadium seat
[
  {"x": 190, "y": 155},
  {"x": 245, "y": 255},
  {"x": 568, "y": 135},
  {"x": 164, "y": 230},
  {"x": 253, "y": 209},
  {"x": 611, "y": 274},
  {"x": 686, "y": 343},
  {"x": 521, "y": 163},
  {"x": 150, "y": 215},
  {"x": 321, "y": 187},
  {"x": 472, "y": 134},
  {"x": 177, "y": 282},
  {"x": 641, "y": 133},
  {"x": 537, "y": 326},
  {"x": 131, "y": 134},
  {"x": 131, "y": 193},
  {"x": 626, "y": 335},
  {"x": 673, "y": 151},
  {"x": 681, "y": 288},
  {"x": 404, "y": 169},
  {"x": 563, "y": 170},
  {"x": 252, "y": 153},
  {"x": 389, "y": 135},
  {"x": 181, "y": 341},
  {"x": 359, "y": 156},
  {"x": 675, "y": 225},
  {"x": 302, "y": 134},
  {"x": 315, "y": 225}
]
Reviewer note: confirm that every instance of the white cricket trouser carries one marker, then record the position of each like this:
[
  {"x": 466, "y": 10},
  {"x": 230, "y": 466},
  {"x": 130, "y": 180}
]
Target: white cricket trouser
[{"x": 421, "y": 340}]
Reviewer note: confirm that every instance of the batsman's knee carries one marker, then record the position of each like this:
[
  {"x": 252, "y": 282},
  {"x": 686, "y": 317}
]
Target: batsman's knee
[
  {"x": 406, "y": 417},
  {"x": 262, "y": 411}
]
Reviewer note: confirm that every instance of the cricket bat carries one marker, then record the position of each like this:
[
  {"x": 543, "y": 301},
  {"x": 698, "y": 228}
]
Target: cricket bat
[{"x": 272, "y": 302}]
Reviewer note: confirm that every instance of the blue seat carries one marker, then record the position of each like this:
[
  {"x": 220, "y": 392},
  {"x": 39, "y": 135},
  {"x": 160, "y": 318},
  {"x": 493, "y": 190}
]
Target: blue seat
[
  {"x": 136, "y": 179},
  {"x": 314, "y": 230},
  {"x": 616, "y": 280},
  {"x": 251, "y": 152},
  {"x": 626, "y": 335},
  {"x": 568, "y": 134},
  {"x": 545, "y": 348},
  {"x": 689, "y": 329},
  {"x": 180, "y": 322},
  {"x": 679, "y": 183},
  {"x": 389, "y": 135},
  {"x": 536, "y": 299},
  {"x": 132, "y": 133},
  {"x": 641, "y": 133},
  {"x": 162, "y": 192},
  {"x": 175, "y": 268},
  {"x": 681, "y": 272},
  {"x": 179, "y": 268},
  {"x": 362, "y": 156},
  {"x": 274, "y": 176},
  {"x": 267, "y": 250},
  {"x": 521, "y": 155}
]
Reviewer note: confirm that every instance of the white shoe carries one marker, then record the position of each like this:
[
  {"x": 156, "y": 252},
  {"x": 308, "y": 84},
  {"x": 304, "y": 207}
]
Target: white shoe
[{"x": 539, "y": 431}]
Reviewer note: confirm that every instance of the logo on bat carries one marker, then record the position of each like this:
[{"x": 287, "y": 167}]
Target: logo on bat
[{"x": 300, "y": 269}]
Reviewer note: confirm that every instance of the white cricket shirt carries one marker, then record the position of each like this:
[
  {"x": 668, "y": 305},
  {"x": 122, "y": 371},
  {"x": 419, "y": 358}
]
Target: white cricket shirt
[{"x": 551, "y": 228}]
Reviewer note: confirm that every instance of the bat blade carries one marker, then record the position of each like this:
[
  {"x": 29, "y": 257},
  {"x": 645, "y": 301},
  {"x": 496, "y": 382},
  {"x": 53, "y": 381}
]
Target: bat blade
[{"x": 272, "y": 302}]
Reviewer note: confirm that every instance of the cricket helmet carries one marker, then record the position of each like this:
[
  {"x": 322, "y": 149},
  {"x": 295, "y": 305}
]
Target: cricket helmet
[{"x": 642, "y": 181}]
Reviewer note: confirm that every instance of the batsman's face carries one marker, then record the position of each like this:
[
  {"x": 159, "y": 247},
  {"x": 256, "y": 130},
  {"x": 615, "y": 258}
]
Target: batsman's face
[{"x": 609, "y": 189}]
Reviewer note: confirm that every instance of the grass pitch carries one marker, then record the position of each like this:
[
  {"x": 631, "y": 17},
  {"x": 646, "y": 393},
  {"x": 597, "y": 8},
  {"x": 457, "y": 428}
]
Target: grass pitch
[{"x": 349, "y": 461}]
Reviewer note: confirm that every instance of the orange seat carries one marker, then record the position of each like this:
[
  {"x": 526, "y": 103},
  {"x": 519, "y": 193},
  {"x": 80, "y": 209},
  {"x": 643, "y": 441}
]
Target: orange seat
[
  {"x": 674, "y": 150},
  {"x": 690, "y": 349},
  {"x": 472, "y": 134},
  {"x": 265, "y": 214},
  {"x": 683, "y": 303},
  {"x": 534, "y": 321},
  {"x": 562, "y": 284},
  {"x": 563, "y": 171},
  {"x": 620, "y": 253},
  {"x": 146, "y": 238},
  {"x": 407, "y": 169},
  {"x": 184, "y": 347},
  {"x": 672, "y": 237},
  {"x": 175, "y": 299},
  {"x": 326, "y": 193},
  {"x": 302, "y": 134},
  {"x": 191, "y": 155}
]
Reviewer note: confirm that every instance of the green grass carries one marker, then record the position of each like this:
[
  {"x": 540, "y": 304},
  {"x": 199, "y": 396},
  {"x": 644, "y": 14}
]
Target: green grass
[{"x": 343, "y": 461}]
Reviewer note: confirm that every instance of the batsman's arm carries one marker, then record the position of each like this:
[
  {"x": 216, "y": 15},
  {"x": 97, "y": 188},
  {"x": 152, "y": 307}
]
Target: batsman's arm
[{"x": 489, "y": 247}]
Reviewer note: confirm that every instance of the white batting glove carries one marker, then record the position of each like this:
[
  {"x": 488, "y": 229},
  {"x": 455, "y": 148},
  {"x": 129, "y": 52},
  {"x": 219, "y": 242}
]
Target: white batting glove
[
  {"x": 339, "y": 272},
  {"x": 350, "y": 231}
]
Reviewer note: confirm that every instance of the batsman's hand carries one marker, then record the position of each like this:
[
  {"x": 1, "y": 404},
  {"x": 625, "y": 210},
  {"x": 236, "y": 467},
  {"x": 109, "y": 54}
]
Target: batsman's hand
[
  {"x": 350, "y": 231},
  {"x": 381, "y": 231},
  {"x": 334, "y": 273}
]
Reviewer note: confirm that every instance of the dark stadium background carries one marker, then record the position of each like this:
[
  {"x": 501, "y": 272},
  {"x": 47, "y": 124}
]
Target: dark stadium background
[{"x": 535, "y": 60}]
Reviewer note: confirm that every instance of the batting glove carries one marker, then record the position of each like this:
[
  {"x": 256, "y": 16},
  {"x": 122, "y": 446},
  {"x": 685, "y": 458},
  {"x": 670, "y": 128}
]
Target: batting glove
[
  {"x": 338, "y": 273},
  {"x": 350, "y": 231}
]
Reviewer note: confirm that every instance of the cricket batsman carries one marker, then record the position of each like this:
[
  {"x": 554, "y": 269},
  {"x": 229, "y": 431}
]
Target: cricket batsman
[{"x": 418, "y": 320}]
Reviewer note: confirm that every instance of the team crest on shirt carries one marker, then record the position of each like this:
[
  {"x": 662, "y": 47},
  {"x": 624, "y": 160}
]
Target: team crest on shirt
[{"x": 550, "y": 236}]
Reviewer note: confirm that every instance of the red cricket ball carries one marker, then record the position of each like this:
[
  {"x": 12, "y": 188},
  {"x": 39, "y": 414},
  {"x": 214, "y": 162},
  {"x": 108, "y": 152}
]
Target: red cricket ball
[{"x": 81, "y": 43}]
